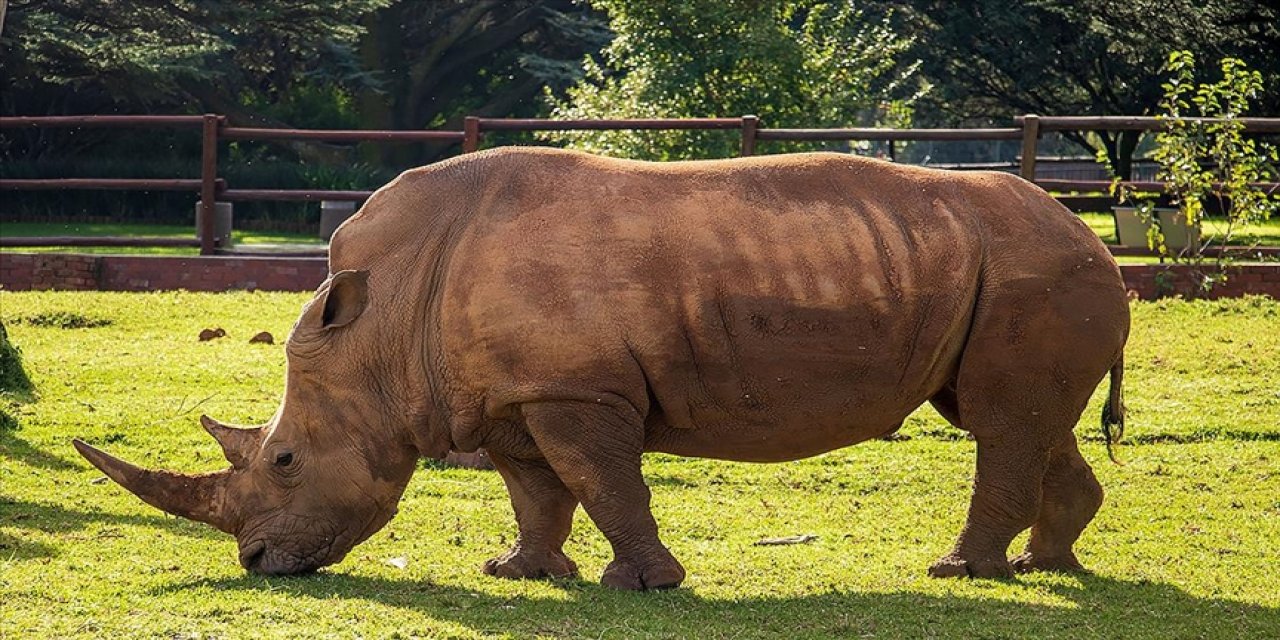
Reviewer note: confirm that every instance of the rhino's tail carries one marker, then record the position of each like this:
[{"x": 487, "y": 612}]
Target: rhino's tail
[{"x": 1113, "y": 409}]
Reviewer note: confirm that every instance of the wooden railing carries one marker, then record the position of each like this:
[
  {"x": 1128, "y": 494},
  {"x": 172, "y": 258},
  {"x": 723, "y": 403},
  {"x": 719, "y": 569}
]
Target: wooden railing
[{"x": 213, "y": 129}]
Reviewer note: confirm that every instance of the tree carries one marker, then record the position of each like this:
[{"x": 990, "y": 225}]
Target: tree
[
  {"x": 437, "y": 61},
  {"x": 302, "y": 63},
  {"x": 254, "y": 62},
  {"x": 75, "y": 56},
  {"x": 990, "y": 60},
  {"x": 790, "y": 62}
]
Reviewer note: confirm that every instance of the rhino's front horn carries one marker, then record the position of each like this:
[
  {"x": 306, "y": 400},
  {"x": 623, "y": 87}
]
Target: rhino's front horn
[
  {"x": 198, "y": 497},
  {"x": 239, "y": 444}
]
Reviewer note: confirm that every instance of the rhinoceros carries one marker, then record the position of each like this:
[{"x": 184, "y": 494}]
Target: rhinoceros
[{"x": 567, "y": 313}]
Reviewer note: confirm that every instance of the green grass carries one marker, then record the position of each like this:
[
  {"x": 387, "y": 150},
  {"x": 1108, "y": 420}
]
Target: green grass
[
  {"x": 1266, "y": 234},
  {"x": 241, "y": 236},
  {"x": 1185, "y": 546}
]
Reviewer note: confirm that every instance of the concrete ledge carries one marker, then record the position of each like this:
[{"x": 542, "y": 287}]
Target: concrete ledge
[
  {"x": 69, "y": 271},
  {"x": 63, "y": 271}
]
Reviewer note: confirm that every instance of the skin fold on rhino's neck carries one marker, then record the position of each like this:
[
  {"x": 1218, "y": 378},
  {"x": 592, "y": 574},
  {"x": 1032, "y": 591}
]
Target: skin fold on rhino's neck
[{"x": 403, "y": 238}]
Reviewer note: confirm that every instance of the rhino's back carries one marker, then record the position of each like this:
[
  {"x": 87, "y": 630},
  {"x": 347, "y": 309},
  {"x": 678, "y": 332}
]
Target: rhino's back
[{"x": 817, "y": 298}]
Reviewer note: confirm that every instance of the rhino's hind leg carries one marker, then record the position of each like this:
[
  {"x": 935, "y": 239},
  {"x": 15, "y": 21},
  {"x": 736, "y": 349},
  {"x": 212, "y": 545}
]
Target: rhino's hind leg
[
  {"x": 595, "y": 448},
  {"x": 1006, "y": 500},
  {"x": 1072, "y": 495},
  {"x": 544, "y": 513}
]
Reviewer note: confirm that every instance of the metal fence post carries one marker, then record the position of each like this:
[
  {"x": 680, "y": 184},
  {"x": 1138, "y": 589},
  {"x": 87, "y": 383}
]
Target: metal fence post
[
  {"x": 471, "y": 134},
  {"x": 208, "y": 183},
  {"x": 1030, "y": 141},
  {"x": 749, "y": 126}
]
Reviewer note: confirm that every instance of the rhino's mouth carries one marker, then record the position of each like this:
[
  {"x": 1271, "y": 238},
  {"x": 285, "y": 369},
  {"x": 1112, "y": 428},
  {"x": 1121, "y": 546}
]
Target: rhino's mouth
[
  {"x": 288, "y": 552},
  {"x": 272, "y": 560}
]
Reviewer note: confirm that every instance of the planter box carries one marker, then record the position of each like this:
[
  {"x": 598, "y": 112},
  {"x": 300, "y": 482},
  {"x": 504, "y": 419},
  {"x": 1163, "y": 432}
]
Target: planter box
[
  {"x": 222, "y": 222},
  {"x": 332, "y": 214},
  {"x": 1131, "y": 229}
]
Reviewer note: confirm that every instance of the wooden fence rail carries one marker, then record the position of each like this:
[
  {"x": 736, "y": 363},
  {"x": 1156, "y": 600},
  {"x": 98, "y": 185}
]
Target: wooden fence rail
[{"x": 1028, "y": 129}]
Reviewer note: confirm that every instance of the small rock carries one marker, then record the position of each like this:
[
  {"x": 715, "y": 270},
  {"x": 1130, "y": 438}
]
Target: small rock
[
  {"x": 264, "y": 337},
  {"x": 210, "y": 334}
]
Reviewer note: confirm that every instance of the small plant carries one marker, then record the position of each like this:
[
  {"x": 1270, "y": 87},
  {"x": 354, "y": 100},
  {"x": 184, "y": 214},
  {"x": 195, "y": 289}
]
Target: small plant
[
  {"x": 1205, "y": 156},
  {"x": 63, "y": 320},
  {"x": 14, "y": 383}
]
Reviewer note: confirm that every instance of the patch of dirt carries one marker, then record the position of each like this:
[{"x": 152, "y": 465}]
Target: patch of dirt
[{"x": 211, "y": 334}]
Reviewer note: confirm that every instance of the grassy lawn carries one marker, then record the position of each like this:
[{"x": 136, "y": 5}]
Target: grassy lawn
[
  {"x": 242, "y": 237},
  {"x": 1265, "y": 234},
  {"x": 1185, "y": 546}
]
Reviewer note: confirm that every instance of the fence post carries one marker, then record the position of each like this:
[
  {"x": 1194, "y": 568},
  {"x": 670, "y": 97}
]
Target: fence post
[
  {"x": 1030, "y": 140},
  {"x": 208, "y": 183},
  {"x": 471, "y": 134},
  {"x": 749, "y": 126}
]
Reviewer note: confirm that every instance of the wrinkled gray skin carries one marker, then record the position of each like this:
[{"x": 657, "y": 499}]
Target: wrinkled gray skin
[{"x": 568, "y": 313}]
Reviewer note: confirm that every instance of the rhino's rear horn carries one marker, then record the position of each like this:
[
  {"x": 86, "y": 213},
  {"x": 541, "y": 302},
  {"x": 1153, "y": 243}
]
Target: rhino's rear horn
[
  {"x": 239, "y": 444},
  {"x": 198, "y": 497}
]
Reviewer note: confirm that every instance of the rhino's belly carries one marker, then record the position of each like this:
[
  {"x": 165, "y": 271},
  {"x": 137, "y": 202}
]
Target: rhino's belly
[
  {"x": 762, "y": 442},
  {"x": 753, "y": 378},
  {"x": 773, "y": 402}
]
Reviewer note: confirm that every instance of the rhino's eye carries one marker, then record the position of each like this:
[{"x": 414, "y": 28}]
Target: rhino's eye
[{"x": 284, "y": 459}]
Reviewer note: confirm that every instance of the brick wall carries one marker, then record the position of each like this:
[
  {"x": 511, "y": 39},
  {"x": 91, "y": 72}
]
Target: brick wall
[
  {"x": 23, "y": 271},
  {"x": 1151, "y": 281}
]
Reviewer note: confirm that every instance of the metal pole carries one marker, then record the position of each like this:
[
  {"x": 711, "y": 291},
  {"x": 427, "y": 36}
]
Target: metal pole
[
  {"x": 1030, "y": 140},
  {"x": 749, "y": 126},
  {"x": 208, "y": 183}
]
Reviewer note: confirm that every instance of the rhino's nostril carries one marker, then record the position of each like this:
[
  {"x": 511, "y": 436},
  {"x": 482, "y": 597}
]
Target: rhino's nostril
[{"x": 252, "y": 554}]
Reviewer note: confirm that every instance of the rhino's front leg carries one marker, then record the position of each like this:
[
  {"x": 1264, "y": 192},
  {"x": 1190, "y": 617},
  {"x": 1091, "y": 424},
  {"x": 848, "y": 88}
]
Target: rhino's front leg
[
  {"x": 544, "y": 514},
  {"x": 595, "y": 449}
]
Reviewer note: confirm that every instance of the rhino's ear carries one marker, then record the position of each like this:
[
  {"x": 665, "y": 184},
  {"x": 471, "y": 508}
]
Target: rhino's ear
[{"x": 345, "y": 299}]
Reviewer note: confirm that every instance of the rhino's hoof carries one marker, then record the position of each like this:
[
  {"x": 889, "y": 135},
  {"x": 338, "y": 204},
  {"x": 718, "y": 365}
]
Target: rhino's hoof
[
  {"x": 630, "y": 575},
  {"x": 522, "y": 564},
  {"x": 954, "y": 566},
  {"x": 1028, "y": 562}
]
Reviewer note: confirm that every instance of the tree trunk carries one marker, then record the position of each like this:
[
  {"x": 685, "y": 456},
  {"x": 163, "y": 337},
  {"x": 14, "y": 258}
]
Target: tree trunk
[{"x": 1119, "y": 148}]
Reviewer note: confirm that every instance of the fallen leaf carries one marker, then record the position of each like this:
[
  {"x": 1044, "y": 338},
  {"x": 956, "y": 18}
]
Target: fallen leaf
[{"x": 800, "y": 539}]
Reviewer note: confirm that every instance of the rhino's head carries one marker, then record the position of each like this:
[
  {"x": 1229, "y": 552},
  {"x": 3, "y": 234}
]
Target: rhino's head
[{"x": 328, "y": 469}]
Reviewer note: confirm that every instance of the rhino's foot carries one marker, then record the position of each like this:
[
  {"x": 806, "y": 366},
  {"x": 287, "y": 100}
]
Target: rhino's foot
[
  {"x": 632, "y": 575},
  {"x": 955, "y": 566},
  {"x": 522, "y": 563},
  {"x": 1028, "y": 562}
]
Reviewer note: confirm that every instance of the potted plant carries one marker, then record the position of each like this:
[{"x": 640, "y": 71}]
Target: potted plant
[
  {"x": 1203, "y": 156},
  {"x": 1148, "y": 226}
]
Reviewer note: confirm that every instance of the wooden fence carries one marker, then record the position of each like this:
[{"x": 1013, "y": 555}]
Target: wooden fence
[{"x": 213, "y": 129}]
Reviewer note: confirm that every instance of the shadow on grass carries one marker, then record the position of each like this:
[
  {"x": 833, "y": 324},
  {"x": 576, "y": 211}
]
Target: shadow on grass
[
  {"x": 56, "y": 519},
  {"x": 15, "y": 448},
  {"x": 14, "y": 548},
  {"x": 1093, "y": 605}
]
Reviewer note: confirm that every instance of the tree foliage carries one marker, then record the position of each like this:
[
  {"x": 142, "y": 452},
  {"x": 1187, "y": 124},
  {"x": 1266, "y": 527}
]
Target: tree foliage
[
  {"x": 790, "y": 62},
  {"x": 76, "y": 56},
  {"x": 440, "y": 60},
  {"x": 991, "y": 60}
]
